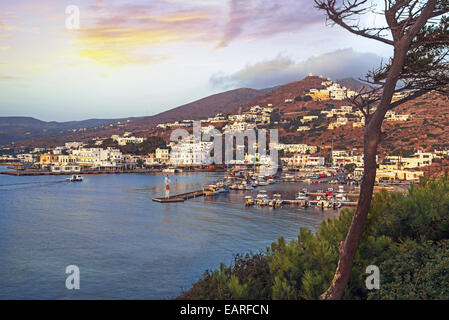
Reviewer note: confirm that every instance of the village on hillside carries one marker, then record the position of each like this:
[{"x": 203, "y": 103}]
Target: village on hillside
[{"x": 133, "y": 152}]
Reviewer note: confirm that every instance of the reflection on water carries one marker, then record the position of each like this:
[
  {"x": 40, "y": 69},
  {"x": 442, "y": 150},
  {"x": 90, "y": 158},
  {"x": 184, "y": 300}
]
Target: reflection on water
[{"x": 125, "y": 245}]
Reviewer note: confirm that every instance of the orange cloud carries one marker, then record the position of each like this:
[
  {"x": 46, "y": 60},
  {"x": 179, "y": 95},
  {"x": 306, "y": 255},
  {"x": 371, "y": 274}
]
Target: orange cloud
[{"x": 118, "y": 37}]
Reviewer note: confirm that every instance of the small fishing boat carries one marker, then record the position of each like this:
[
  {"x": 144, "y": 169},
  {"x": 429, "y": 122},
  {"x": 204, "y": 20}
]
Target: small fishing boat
[
  {"x": 249, "y": 201},
  {"x": 211, "y": 190},
  {"x": 302, "y": 196},
  {"x": 75, "y": 178},
  {"x": 276, "y": 202},
  {"x": 262, "y": 198}
]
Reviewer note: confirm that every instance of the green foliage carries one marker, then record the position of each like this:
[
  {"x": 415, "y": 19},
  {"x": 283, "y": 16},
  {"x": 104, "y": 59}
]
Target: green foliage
[
  {"x": 275, "y": 116},
  {"x": 403, "y": 152},
  {"x": 148, "y": 146},
  {"x": 247, "y": 278},
  {"x": 415, "y": 270},
  {"x": 406, "y": 236},
  {"x": 350, "y": 167},
  {"x": 307, "y": 98},
  {"x": 109, "y": 143},
  {"x": 425, "y": 212},
  {"x": 314, "y": 112}
]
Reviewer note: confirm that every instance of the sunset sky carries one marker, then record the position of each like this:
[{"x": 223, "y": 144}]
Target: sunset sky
[{"x": 137, "y": 58}]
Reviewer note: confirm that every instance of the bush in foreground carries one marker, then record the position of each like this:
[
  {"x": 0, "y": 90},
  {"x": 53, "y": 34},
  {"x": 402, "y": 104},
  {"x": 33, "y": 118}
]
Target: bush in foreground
[{"x": 406, "y": 236}]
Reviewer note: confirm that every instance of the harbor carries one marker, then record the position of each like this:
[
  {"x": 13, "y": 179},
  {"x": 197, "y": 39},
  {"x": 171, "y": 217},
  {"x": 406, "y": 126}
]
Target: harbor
[
  {"x": 247, "y": 181},
  {"x": 115, "y": 222}
]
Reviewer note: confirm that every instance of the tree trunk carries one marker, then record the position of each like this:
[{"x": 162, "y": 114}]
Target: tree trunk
[{"x": 348, "y": 248}]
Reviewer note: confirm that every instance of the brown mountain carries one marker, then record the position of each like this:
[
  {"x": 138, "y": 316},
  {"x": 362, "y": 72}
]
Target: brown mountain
[
  {"x": 16, "y": 129},
  {"x": 33, "y": 132},
  {"x": 426, "y": 129},
  {"x": 280, "y": 96},
  {"x": 353, "y": 84},
  {"x": 207, "y": 107}
]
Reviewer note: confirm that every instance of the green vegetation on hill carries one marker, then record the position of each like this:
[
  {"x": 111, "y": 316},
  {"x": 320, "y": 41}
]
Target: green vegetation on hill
[
  {"x": 407, "y": 237},
  {"x": 148, "y": 146}
]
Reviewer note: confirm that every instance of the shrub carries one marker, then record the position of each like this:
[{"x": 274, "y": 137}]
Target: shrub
[
  {"x": 415, "y": 270},
  {"x": 406, "y": 236}
]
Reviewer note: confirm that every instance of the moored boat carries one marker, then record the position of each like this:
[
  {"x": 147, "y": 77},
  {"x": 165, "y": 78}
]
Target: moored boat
[
  {"x": 262, "y": 198},
  {"x": 249, "y": 201},
  {"x": 276, "y": 202},
  {"x": 211, "y": 190},
  {"x": 75, "y": 178}
]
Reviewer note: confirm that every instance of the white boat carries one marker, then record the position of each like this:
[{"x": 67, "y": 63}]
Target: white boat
[
  {"x": 249, "y": 201},
  {"x": 172, "y": 170},
  {"x": 262, "y": 194},
  {"x": 75, "y": 178},
  {"x": 301, "y": 195},
  {"x": 262, "y": 198}
]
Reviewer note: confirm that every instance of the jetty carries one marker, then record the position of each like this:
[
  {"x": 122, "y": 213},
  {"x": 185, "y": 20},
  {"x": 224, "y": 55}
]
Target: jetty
[
  {"x": 314, "y": 202},
  {"x": 180, "y": 197}
]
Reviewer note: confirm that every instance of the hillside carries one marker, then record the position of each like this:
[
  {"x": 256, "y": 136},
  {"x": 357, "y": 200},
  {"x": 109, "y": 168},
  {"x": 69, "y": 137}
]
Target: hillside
[
  {"x": 426, "y": 129},
  {"x": 353, "y": 84},
  {"x": 16, "y": 129},
  {"x": 290, "y": 91},
  {"x": 33, "y": 132},
  {"x": 207, "y": 107}
]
